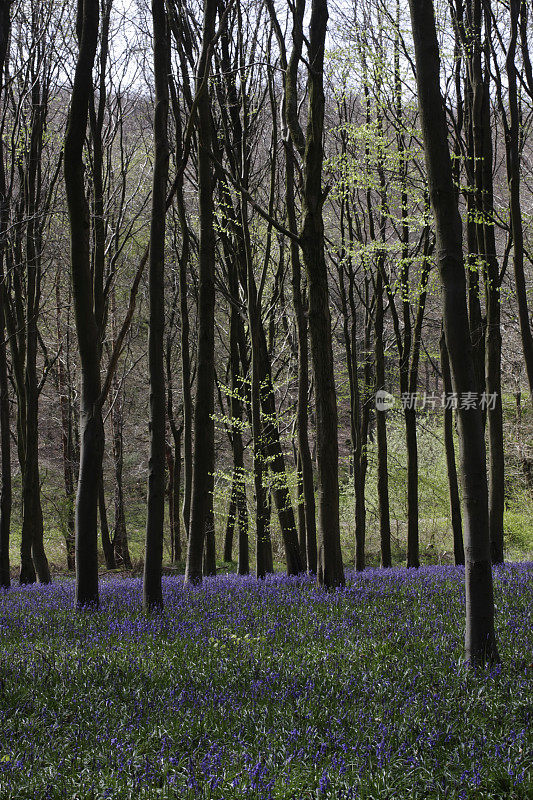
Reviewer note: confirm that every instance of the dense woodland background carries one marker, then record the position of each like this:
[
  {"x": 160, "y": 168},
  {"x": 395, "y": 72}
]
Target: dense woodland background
[{"x": 396, "y": 468}]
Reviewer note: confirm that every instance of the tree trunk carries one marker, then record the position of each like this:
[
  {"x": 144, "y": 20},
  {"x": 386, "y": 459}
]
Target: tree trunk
[
  {"x": 210, "y": 555},
  {"x": 5, "y": 433},
  {"x": 262, "y": 532},
  {"x": 186, "y": 388},
  {"x": 66, "y": 432},
  {"x": 107, "y": 544},
  {"x": 413, "y": 556},
  {"x": 5, "y": 447},
  {"x": 204, "y": 455},
  {"x": 91, "y": 426},
  {"x": 330, "y": 572},
  {"x": 243, "y": 564},
  {"x": 152, "y": 590},
  {"x": 513, "y": 177},
  {"x": 231, "y": 519},
  {"x": 480, "y": 640},
  {"x": 276, "y": 459},
  {"x": 307, "y": 509},
  {"x": 32, "y": 522},
  {"x": 381, "y": 430},
  {"x": 304, "y": 453},
  {"x": 238, "y": 509},
  {"x": 486, "y": 249},
  {"x": 453, "y": 486},
  {"x": 120, "y": 535},
  {"x": 174, "y": 492}
]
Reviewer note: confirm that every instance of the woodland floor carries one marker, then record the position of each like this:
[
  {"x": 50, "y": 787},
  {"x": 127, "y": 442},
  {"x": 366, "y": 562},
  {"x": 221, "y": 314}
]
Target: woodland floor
[{"x": 272, "y": 689}]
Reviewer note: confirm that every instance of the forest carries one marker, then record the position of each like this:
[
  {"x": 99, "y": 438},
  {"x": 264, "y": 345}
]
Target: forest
[{"x": 266, "y": 399}]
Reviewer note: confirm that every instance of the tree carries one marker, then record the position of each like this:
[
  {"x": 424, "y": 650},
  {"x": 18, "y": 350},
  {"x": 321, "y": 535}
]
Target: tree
[
  {"x": 482, "y": 246},
  {"x": 480, "y": 640},
  {"x": 152, "y": 592},
  {"x": 91, "y": 425},
  {"x": 330, "y": 571},
  {"x": 203, "y": 459},
  {"x": 5, "y": 433}
]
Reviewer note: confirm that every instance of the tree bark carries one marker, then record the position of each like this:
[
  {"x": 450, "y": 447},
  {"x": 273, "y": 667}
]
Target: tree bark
[
  {"x": 304, "y": 453},
  {"x": 5, "y": 450},
  {"x": 453, "y": 486},
  {"x": 5, "y": 433},
  {"x": 210, "y": 555},
  {"x": 381, "y": 429},
  {"x": 231, "y": 519},
  {"x": 513, "y": 177},
  {"x": 152, "y": 590},
  {"x": 480, "y": 640},
  {"x": 120, "y": 534},
  {"x": 66, "y": 431},
  {"x": 174, "y": 489},
  {"x": 238, "y": 511},
  {"x": 203, "y": 460},
  {"x": 272, "y": 449},
  {"x": 485, "y": 252},
  {"x": 330, "y": 572},
  {"x": 107, "y": 544},
  {"x": 91, "y": 425}
]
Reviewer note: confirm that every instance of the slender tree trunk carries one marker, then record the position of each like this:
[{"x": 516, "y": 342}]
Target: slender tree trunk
[
  {"x": 360, "y": 472},
  {"x": 66, "y": 432},
  {"x": 120, "y": 535},
  {"x": 204, "y": 455},
  {"x": 235, "y": 509},
  {"x": 413, "y": 557},
  {"x": 231, "y": 519},
  {"x": 174, "y": 490},
  {"x": 358, "y": 417},
  {"x": 243, "y": 564},
  {"x": 493, "y": 370},
  {"x": 185, "y": 363},
  {"x": 513, "y": 177},
  {"x": 91, "y": 425},
  {"x": 170, "y": 495},
  {"x": 308, "y": 542},
  {"x": 107, "y": 544},
  {"x": 5, "y": 434},
  {"x": 480, "y": 640},
  {"x": 300, "y": 504},
  {"x": 276, "y": 460},
  {"x": 453, "y": 486},
  {"x": 32, "y": 515},
  {"x": 32, "y": 524},
  {"x": 262, "y": 532},
  {"x": 304, "y": 453},
  {"x": 152, "y": 590},
  {"x": 330, "y": 572},
  {"x": 210, "y": 555},
  {"x": 475, "y": 316},
  {"x": 238, "y": 395},
  {"x": 381, "y": 428},
  {"x": 486, "y": 247},
  {"x": 5, "y": 447},
  {"x": 268, "y": 553}
]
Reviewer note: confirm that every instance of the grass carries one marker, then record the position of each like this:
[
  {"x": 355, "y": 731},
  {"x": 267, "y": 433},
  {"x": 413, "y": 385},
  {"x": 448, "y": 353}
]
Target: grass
[{"x": 269, "y": 689}]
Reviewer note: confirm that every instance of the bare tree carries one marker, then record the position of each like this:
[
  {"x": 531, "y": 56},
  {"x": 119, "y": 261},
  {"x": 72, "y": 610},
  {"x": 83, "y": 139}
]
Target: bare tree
[{"x": 480, "y": 640}]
